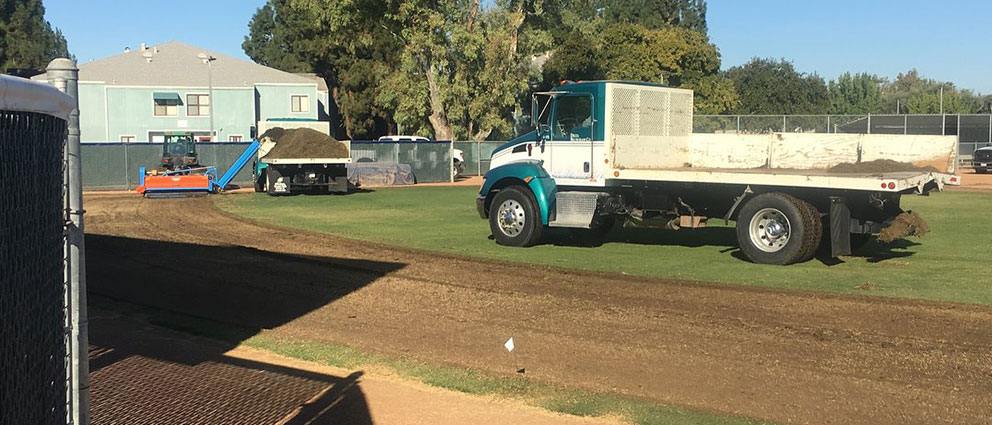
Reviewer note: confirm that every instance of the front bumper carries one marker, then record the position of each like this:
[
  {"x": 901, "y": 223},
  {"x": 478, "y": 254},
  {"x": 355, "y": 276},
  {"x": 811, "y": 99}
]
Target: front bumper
[{"x": 480, "y": 205}]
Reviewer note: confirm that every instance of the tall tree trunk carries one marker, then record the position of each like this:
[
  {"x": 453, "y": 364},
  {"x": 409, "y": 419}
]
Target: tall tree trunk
[
  {"x": 438, "y": 117},
  {"x": 472, "y": 14}
]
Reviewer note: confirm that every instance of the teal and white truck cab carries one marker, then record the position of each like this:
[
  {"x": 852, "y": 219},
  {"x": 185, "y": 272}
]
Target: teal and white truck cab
[{"x": 604, "y": 151}]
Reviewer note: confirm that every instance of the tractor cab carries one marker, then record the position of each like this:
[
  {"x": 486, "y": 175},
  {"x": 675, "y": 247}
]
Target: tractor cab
[{"x": 179, "y": 151}]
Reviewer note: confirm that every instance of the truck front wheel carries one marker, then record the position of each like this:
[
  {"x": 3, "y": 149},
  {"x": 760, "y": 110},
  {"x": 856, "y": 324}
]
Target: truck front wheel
[
  {"x": 515, "y": 218},
  {"x": 776, "y": 228}
]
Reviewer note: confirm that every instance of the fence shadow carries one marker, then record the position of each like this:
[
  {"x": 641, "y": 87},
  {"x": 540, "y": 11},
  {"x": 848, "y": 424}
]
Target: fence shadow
[{"x": 227, "y": 294}]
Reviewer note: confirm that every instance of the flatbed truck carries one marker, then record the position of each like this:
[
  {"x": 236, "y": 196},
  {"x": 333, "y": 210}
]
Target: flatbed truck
[{"x": 604, "y": 151}]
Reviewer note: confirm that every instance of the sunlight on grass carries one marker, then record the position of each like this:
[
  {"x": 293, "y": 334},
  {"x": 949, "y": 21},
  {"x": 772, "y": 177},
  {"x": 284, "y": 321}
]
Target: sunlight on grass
[{"x": 951, "y": 263}]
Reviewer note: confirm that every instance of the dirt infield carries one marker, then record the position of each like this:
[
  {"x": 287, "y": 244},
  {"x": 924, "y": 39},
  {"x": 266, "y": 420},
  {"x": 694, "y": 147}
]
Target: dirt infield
[
  {"x": 974, "y": 182},
  {"x": 144, "y": 374},
  {"x": 783, "y": 356}
]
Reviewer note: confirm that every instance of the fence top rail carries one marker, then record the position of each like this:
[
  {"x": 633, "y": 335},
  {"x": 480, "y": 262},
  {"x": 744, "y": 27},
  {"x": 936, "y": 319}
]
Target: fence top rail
[{"x": 21, "y": 94}]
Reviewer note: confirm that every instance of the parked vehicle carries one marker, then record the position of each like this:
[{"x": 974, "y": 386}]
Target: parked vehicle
[
  {"x": 982, "y": 160},
  {"x": 457, "y": 155},
  {"x": 608, "y": 151},
  {"x": 313, "y": 173}
]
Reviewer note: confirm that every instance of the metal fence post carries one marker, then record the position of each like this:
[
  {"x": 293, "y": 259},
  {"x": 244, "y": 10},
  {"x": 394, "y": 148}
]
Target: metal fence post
[
  {"x": 828, "y": 124},
  {"x": 127, "y": 167},
  {"x": 990, "y": 129},
  {"x": 783, "y": 123},
  {"x": 478, "y": 156},
  {"x": 943, "y": 124},
  {"x": 905, "y": 124},
  {"x": 869, "y": 123},
  {"x": 738, "y": 124},
  {"x": 65, "y": 69},
  {"x": 451, "y": 161}
]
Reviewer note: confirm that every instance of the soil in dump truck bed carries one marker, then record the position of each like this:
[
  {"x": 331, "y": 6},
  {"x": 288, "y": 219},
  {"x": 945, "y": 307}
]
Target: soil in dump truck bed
[
  {"x": 304, "y": 143},
  {"x": 877, "y": 166}
]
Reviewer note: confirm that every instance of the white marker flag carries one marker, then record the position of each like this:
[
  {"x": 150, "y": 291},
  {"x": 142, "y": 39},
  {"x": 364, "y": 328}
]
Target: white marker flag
[{"x": 509, "y": 345}]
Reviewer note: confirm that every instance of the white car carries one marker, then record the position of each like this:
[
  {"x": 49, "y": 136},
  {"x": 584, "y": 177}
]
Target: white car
[{"x": 457, "y": 158}]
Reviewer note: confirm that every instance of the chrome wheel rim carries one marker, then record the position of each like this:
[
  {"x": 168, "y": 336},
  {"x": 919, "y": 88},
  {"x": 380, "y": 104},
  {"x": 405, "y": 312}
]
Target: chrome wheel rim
[
  {"x": 770, "y": 230},
  {"x": 511, "y": 218}
]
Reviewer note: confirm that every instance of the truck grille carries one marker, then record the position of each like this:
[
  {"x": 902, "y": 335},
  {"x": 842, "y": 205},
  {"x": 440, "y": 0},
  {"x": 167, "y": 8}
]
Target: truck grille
[{"x": 983, "y": 155}]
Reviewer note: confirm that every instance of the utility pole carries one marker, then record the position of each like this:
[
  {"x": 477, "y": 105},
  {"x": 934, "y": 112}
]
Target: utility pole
[
  {"x": 208, "y": 59},
  {"x": 941, "y": 100}
]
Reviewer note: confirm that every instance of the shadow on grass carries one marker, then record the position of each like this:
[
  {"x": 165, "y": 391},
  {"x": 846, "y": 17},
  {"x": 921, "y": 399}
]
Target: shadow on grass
[{"x": 226, "y": 293}]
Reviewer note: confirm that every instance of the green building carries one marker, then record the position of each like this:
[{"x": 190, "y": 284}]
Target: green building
[{"x": 141, "y": 94}]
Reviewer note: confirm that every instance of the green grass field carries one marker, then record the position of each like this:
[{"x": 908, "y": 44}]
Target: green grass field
[{"x": 952, "y": 263}]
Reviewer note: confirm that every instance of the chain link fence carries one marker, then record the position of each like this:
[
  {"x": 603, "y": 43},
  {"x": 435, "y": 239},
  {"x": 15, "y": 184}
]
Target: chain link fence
[
  {"x": 973, "y": 131},
  {"x": 115, "y": 166},
  {"x": 32, "y": 321}
]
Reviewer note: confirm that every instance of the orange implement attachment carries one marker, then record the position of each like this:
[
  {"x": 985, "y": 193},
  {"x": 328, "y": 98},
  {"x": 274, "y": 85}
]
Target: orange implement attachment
[{"x": 176, "y": 183}]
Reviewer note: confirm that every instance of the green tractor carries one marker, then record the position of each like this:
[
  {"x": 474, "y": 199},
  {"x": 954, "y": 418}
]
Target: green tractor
[{"x": 179, "y": 151}]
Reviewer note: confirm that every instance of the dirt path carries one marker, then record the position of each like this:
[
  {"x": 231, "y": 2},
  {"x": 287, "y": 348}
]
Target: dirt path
[
  {"x": 144, "y": 374},
  {"x": 778, "y": 355}
]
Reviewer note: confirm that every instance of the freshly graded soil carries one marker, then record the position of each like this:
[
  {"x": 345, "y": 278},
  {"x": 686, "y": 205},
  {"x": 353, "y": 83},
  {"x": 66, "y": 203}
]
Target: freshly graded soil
[
  {"x": 304, "y": 143},
  {"x": 780, "y": 355},
  {"x": 906, "y": 224},
  {"x": 877, "y": 166}
]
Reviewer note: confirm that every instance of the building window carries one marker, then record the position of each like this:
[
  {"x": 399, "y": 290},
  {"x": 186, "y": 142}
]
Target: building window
[
  {"x": 127, "y": 139},
  {"x": 301, "y": 104},
  {"x": 235, "y": 138},
  {"x": 197, "y": 105},
  {"x": 166, "y": 107}
]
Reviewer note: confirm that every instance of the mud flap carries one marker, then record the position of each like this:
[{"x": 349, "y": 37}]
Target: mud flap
[{"x": 840, "y": 227}]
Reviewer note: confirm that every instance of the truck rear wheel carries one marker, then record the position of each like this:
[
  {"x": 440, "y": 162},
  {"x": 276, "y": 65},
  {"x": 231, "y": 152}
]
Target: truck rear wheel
[
  {"x": 515, "y": 218},
  {"x": 776, "y": 228}
]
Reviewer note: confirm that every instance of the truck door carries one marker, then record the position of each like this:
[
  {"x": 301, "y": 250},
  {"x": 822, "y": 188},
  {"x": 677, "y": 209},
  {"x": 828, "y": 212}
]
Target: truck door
[{"x": 571, "y": 145}]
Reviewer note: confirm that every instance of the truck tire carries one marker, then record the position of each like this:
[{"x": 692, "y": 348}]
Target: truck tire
[
  {"x": 779, "y": 229},
  {"x": 515, "y": 218},
  {"x": 261, "y": 185},
  {"x": 815, "y": 231}
]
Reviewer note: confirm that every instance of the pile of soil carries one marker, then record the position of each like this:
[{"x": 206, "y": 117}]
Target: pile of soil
[
  {"x": 304, "y": 143},
  {"x": 877, "y": 166},
  {"x": 906, "y": 224}
]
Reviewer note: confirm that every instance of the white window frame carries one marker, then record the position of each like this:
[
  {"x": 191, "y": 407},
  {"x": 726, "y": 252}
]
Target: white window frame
[
  {"x": 210, "y": 104},
  {"x": 133, "y": 138},
  {"x": 239, "y": 136},
  {"x": 292, "y": 104}
]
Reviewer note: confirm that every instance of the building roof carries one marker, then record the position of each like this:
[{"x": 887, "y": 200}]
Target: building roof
[
  {"x": 176, "y": 64},
  {"x": 321, "y": 82}
]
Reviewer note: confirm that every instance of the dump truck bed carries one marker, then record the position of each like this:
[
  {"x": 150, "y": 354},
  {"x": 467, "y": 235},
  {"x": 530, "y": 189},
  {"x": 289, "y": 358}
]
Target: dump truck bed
[{"x": 284, "y": 161}]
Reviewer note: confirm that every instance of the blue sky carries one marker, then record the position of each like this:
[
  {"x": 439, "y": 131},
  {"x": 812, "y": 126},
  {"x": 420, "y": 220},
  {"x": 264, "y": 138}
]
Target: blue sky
[{"x": 949, "y": 40}]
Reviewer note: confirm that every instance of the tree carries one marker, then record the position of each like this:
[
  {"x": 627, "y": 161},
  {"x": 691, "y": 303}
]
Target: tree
[
  {"x": 767, "y": 86},
  {"x": 26, "y": 39},
  {"x": 914, "y": 94},
  {"x": 856, "y": 94},
  {"x": 340, "y": 41},
  {"x": 657, "y": 14},
  {"x": 675, "y": 56}
]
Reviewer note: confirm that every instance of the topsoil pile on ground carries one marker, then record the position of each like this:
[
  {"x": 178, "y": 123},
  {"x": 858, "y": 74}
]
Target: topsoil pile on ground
[
  {"x": 877, "y": 166},
  {"x": 906, "y": 224},
  {"x": 304, "y": 143}
]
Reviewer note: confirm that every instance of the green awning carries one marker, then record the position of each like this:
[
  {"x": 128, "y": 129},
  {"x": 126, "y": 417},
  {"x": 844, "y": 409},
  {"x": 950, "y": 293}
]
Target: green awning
[{"x": 166, "y": 97}]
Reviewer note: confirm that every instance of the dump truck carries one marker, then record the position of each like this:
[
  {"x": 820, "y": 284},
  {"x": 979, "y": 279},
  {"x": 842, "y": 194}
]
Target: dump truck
[
  {"x": 301, "y": 160},
  {"x": 608, "y": 151}
]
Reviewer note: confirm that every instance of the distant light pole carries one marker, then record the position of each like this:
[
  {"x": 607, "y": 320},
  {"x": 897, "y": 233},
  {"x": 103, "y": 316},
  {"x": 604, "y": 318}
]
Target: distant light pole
[{"x": 208, "y": 59}]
